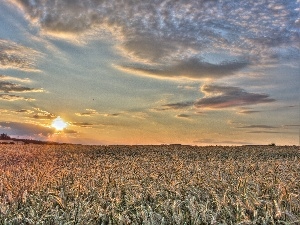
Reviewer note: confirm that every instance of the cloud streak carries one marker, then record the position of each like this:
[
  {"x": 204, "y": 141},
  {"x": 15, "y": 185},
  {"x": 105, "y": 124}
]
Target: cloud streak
[
  {"x": 22, "y": 80},
  {"x": 258, "y": 126},
  {"x": 170, "y": 39},
  {"x": 15, "y": 56},
  {"x": 192, "y": 68},
  {"x": 89, "y": 112},
  {"x": 176, "y": 106},
  {"x": 11, "y": 98},
  {"x": 43, "y": 115},
  {"x": 248, "y": 111},
  {"x": 183, "y": 116},
  {"x": 26, "y": 129},
  {"x": 221, "y": 97},
  {"x": 83, "y": 124},
  {"x": 8, "y": 87},
  {"x": 218, "y": 97}
]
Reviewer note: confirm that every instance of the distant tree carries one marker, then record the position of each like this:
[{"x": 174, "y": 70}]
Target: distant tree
[
  {"x": 272, "y": 144},
  {"x": 4, "y": 137}
]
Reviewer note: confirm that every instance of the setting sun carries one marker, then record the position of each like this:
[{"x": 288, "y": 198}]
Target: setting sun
[{"x": 59, "y": 124}]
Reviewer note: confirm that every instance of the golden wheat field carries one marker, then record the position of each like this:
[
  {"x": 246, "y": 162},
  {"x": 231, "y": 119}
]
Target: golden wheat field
[{"x": 74, "y": 184}]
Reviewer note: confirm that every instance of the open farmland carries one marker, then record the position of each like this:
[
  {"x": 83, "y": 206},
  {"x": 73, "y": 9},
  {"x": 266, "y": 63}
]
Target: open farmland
[{"x": 73, "y": 184}]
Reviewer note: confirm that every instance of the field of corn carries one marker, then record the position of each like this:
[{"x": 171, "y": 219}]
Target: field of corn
[{"x": 74, "y": 184}]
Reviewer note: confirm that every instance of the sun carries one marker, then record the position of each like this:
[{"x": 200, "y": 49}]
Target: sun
[{"x": 59, "y": 124}]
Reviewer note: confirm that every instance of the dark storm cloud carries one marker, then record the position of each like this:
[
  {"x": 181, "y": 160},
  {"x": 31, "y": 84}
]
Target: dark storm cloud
[
  {"x": 26, "y": 129},
  {"x": 226, "y": 96},
  {"x": 8, "y": 87},
  {"x": 15, "y": 56},
  {"x": 6, "y": 97},
  {"x": 157, "y": 34}
]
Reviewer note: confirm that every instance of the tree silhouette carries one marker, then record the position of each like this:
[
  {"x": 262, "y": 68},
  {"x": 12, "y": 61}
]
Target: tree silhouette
[{"x": 4, "y": 137}]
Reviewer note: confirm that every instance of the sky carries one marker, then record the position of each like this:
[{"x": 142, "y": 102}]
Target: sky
[{"x": 198, "y": 72}]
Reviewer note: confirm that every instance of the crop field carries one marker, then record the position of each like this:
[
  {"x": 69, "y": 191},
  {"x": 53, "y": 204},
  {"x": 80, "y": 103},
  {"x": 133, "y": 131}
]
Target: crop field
[{"x": 74, "y": 184}]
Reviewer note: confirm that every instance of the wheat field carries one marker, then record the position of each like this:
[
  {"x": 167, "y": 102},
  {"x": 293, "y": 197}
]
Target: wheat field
[{"x": 74, "y": 184}]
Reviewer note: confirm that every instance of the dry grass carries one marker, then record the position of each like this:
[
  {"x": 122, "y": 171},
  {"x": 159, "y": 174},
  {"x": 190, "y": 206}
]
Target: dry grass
[{"x": 71, "y": 184}]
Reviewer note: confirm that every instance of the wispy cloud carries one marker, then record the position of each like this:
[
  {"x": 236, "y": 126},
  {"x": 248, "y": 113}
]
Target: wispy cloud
[
  {"x": 22, "y": 80},
  {"x": 209, "y": 141},
  {"x": 293, "y": 126},
  {"x": 218, "y": 97},
  {"x": 6, "y": 97},
  {"x": 8, "y": 87},
  {"x": 264, "y": 132},
  {"x": 112, "y": 114},
  {"x": 248, "y": 111},
  {"x": 259, "y": 126},
  {"x": 43, "y": 115},
  {"x": 26, "y": 111},
  {"x": 184, "y": 116},
  {"x": 26, "y": 129},
  {"x": 15, "y": 56},
  {"x": 68, "y": 131},
  {"x": 191, "y": 68},
  {"x": 82, "y": 124},
  {"x": 170, "y": 39},
  {"x": 88, "y": 112},
  {"x": 175, "y": 106}
]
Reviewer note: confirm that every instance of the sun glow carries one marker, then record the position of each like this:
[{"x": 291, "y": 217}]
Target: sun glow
[{"x": 59, "y": 124}]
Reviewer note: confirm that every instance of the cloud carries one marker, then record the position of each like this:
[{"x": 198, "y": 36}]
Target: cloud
[
  {"x": 68, "y": 131},
  {"x": 184, "y": 116},
  {"x": 8, "y": 87},
  {"x": 27, "y": 111},
  {"x": 165, "y": 38},
  {"x": 6, "y": 97},
  {"x": 248, "y": 111},
  {"x": 22, "y": 80},
  {"x": 174, "y": 106},
  {"x": 220, "y": 97},
  {"x": 139, "y": 115},
  {"x": 225, "y": 142},
  {"x": 259, "y": 126},
  {"x": 187, "y": 87},
  {"x": 89, "y": 112},
  {"x": 26, "y": 129},
  {"x": 264, "y": 132},
  {"x": 15, "y": 56},
  {"x": 293, "y": 126},
  {"x": 191, "y": 68},
  {"x": 217, "y": 97},
  {"x": 43, "y": 115},
  {"x": 112, "y": 114},
  {"x": 82, "y": 124}
]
